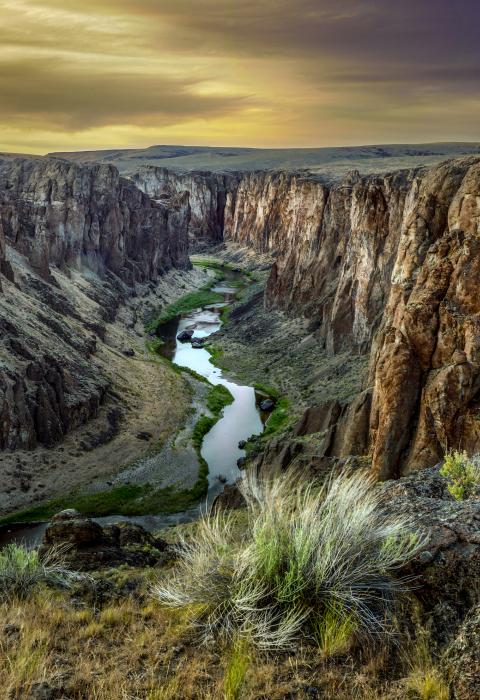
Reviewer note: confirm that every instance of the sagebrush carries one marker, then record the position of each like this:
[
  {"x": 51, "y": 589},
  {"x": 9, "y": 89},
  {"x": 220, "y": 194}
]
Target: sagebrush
[
  {"x": 315, "y": 561},
  {"x": 462, "y": 473}
]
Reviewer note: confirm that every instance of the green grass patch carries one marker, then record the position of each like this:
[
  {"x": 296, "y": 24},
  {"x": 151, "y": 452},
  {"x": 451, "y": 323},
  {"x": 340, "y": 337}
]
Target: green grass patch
[
  {"x": 218, "y": 397},
  {"x": 184, "y": 305},
  {"x": 202, "y": 427},
  {"x": 215, "y": 354},
  {"x": 267, "y": 390},
  {"x": 154, "y": 344},
  {"x": 279, "y": 417}
]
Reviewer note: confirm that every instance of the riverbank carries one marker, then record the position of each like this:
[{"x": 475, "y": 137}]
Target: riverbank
[{"x": 174, "y": 475}]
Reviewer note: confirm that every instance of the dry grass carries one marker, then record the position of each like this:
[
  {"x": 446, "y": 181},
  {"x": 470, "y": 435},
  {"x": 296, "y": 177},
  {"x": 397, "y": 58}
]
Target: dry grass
[
  {"x": 135, "y": 650},
  {"x": 127, "y": 650}
]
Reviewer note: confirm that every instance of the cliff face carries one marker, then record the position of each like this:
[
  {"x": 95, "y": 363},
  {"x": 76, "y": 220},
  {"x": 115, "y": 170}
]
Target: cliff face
[
  {"x": 334, "y": 245},
  {"x": 75, "y": 241},
  {"x": 387, "y": 267},
  {"x": 58, "y": 213},
  {"x": 426, "y": 361},
  {"x": 207, "y": 196}
]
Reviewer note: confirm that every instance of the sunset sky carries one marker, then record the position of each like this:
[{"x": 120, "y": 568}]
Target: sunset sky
[{"x": 273, "y": 73}]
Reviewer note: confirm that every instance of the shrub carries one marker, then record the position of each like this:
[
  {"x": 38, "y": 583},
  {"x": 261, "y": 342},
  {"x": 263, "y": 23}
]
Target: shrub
[
  {"x": 462, "y": 473},
  {"x": 316, "y": 562},
  {"x": 22, "y": 569}
]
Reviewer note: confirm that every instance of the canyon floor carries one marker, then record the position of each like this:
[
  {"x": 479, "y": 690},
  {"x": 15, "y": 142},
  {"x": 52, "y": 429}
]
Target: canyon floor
[{"x": 148, "y": 403}]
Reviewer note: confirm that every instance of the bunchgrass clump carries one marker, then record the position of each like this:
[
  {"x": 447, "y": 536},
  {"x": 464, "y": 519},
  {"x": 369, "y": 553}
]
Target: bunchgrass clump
[
  {"x": 462, "y": 473},
  {"x": 314, "y": 561},
  {"x": 22, "y": 570}
]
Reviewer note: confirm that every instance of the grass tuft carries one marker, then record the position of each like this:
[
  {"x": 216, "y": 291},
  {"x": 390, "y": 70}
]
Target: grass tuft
[
  {"x": 22, "y": 570},
  {"x": 311, "y": 561},
  {"x": 236, "y": 670}
]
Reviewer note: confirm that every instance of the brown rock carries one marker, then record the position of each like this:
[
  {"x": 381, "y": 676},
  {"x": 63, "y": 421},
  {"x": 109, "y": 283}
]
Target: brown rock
[{"x": 91, "y": 547}]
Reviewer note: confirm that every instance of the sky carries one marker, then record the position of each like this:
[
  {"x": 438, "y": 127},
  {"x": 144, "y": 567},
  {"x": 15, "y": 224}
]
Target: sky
[{"x": 92, "y": 74}]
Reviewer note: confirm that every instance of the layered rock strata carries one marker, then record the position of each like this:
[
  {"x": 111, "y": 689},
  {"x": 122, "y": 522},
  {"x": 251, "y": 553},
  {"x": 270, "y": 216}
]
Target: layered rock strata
[
  {"x": 69, "y": 234},
  {"x": 207, "y": 192},
  {"x": 386, "y": 267}
]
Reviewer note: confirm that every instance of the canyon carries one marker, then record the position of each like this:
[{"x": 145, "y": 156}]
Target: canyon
[
  {"x": 377, "y": 271},
  {"x": 383, "y": 267}
]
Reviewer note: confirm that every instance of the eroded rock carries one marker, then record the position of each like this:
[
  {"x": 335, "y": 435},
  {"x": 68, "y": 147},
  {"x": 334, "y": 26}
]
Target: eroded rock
[{"x": 89, "y": 546}]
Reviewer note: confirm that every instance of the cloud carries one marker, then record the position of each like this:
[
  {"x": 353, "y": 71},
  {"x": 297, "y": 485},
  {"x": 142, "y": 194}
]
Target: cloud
[{"x": 277, "y": 72}]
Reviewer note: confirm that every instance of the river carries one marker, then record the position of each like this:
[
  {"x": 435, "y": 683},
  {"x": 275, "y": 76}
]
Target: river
[{"x": 239, "y": 420}]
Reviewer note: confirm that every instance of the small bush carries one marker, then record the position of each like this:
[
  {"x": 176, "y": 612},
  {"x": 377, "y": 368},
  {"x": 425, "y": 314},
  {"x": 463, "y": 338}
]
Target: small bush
[
  {"x": 22, "y": 570},
  {"x": 312, "y": 562},
  {"x": 462, "y": 473}
]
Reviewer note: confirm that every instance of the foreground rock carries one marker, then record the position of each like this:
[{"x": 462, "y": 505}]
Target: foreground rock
[
  {"x": 446, "y": 572},
  {"x": 89, "y": 546},
  {"x": 462, "y": 659}
]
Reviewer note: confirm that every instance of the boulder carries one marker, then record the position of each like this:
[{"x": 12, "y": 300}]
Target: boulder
[
  {"x": 198, "y": 342},
  {"x": 185, "y": 336},
  {"x": 230, "y": 498},
  {"x": 72, "y": 528},
  {"x": 267, "y": 405},
  {"x": 128, "y": 352},
  {"x": 89, "y": 546}
]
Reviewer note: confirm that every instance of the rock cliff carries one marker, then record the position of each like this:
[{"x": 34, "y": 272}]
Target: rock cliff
[
  {"x": 386, "y": 267},
  {"x": 74, "y": 243},
  {"x": 207, "y": 195}
]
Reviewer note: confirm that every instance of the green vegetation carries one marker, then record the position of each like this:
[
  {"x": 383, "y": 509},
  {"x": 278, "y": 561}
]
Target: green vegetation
[
  {"x": 237, "y": 667},
  {"x": 187, "y": 303},
  {"x": 22, "y": 570},
  {"x": 154, "y": 344},
  {"x": 462, "y": 473},
  {"x": 306, "y": 552},
  {"x": 218, "y": 397},
  {"x": 279, "y": 418},
  {"x": 267, "y": 390},
  {"x": 216, "y": 264},
  {"x": 334, "y": 631},
  {"x": 424, "y": 681}
]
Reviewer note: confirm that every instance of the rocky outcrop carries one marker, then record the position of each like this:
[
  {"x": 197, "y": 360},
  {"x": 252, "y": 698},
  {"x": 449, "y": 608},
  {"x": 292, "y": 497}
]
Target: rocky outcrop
[
  {"x": 462, "y": 659},
  {"x": 425, "y": 362},
  {"x": 75, "y": 242},
  {"x": 446, "y": 571},
  {"x": 207, "y": 194},
  {"x": 58, "y": 213},
  {"x": 88, "y": 546}
]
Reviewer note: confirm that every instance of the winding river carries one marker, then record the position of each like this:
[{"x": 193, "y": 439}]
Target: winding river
[{"x": 238, "y": 421}]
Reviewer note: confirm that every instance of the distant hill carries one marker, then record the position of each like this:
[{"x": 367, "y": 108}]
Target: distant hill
[{"x": 331, "y": 161}]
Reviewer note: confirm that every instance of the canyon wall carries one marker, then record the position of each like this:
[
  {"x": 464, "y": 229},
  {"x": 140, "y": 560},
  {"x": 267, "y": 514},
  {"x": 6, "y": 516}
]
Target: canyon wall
[
  {"x": 75, "y": 242},
  {"x": 207, "y": 196},
  {"x": 55, "y": 212},
  {"x": 387, "y": 267}
]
